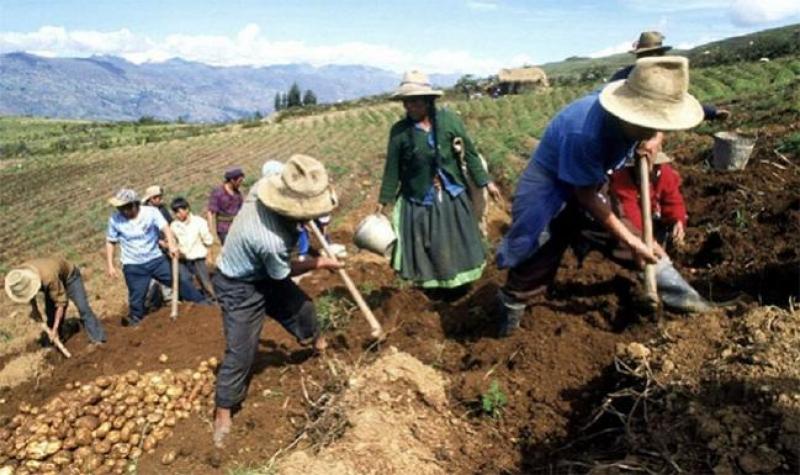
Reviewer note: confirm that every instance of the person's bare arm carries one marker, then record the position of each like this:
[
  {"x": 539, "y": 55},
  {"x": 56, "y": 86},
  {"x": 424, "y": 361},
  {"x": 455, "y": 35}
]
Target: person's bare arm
[
  {"x": 589, "y": 198},
  {"x": 301, "y": 267},
  {"x": 112, "y": 272},
  {"x": 60, "y": 310},
  {"x": 212, "y": 224}
]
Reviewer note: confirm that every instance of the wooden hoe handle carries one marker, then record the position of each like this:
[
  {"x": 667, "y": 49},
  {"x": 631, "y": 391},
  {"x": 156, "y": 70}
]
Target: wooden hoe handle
[
  {"x": 647, "y": 224},
  {"x": 377, "y": 330},
  {"x": 55, "y": 340},
  {"x": 175, "y": 281}
]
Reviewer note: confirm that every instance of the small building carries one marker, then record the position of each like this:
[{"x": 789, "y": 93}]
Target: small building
[{"x": 517, "y": 80}]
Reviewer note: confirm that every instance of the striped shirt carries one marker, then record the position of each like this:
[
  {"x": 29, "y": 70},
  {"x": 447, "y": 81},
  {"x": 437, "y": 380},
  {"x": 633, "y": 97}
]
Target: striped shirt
[
  {"x": 258, "y": 244},
  {"x": 137, "y": 237}
]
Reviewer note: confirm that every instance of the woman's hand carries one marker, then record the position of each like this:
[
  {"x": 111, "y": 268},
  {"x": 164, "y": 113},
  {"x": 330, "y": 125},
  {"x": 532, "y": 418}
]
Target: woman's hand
[
  {"x": 678, "y": 233},
  {"x": 494, "y": 192}
]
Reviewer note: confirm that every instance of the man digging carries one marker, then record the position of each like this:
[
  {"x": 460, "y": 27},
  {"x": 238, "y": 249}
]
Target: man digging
[
  {"x": 60, "y": 281},
  {"x": 254, "y": 273},
  {"x": 559, "y": 198}
]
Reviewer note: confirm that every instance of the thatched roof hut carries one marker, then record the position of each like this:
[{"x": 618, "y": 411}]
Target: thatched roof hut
[{"x": 530, "y": 74}]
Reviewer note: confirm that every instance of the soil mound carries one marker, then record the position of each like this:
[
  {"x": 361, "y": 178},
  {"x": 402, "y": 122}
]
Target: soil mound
[
  {"x": 706, "y": 396},
  {"x": 398, "y": 422}
]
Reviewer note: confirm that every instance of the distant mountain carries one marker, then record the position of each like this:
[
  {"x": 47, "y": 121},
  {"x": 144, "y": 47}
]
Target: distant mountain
[{"x": 111, "y": 88}]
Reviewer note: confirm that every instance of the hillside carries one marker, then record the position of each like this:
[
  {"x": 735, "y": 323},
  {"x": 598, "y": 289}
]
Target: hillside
[
  {"x": 773, "y": 43},
  {"x": 111, "y": 88},
  {"x": 589, "y": 385}
]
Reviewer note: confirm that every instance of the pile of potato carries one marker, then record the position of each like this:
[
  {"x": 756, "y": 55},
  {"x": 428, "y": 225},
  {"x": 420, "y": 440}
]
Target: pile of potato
[{"x": 101, "y": 426}]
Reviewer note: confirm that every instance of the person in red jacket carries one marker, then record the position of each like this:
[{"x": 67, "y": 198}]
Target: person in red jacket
[{"x": 669, "y": 210}]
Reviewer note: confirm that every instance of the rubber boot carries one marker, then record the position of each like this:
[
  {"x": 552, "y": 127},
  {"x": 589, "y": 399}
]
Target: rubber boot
[
  {"x": 675, "y": 292},
  {"x": 511, "y": 313}
]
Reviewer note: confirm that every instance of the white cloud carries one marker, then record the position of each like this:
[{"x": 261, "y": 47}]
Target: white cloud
[
  {"x": 247, "y": 47},
  {"x": 754, "y": 12},
  {"x": 481, "y": 5},
  {"x": 623, "y": 47}
]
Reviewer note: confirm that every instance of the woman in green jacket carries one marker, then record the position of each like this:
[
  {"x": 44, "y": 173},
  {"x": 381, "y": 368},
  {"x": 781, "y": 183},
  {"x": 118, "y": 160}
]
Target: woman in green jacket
[{"x": 439, "y": 243}]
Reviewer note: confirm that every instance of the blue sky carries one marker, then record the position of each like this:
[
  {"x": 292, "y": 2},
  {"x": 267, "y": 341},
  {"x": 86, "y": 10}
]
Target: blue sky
[{"x": 476, "y": 36}]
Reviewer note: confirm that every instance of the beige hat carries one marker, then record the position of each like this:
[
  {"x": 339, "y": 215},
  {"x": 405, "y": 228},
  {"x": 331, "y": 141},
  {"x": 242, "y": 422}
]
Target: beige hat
[
  {"x": 152, "y": 191},
  {"x": 655, "y": 95},
  {"x": 123, "y": 197},
  {"x": 415, "y": 84},
  {"x": 22, "y": 284},
  {"x": 301, "y": 191},
  {"x": 650, "y": 42}
]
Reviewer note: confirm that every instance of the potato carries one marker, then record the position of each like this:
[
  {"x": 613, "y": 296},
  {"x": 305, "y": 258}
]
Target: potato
[
  {"x": 136, "y": 452},
  {"x": 113, "y": 436},
  {"x": 120, "y": 451},
  {"x": 119, "y": 422},
  {"x": 168, "y": 457},
  {"x": 130, "y": 412},
  {"x": 101, "y": 447},
  {"x": 103, "y": 381},
  {"x": 62, "y": 458},
  {"x": 135, "y": 439},
  {"x": 154, "y": 417},
  {"x": 162, "y": 358},
  {"x": 102, "y": 430},
  {"x": 132, "y": 376}
]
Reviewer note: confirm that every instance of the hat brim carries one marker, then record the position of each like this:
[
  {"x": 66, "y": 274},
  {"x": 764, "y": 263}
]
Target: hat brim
[
  {"x": 400, "y": 94},
  {"x": 652, "y": 49},
  {"x": 274, "y": 195},
  {"x": 30, "y": 291},
  {"x": 116, "y": 202},
  {"x": 661, "y": 158},
  {"x": 622, "y": 102},
  {"x": 147, "y": 197}
]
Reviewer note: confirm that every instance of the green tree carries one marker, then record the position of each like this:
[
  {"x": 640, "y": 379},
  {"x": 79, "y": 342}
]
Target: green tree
[
  {"x": 309, "y": 98},
  {"x": 278, "y": 102},
  {"x": 467, "y": 84},
  {"x": 293, "y": 98},
  {"x": 284, "y": 101}
]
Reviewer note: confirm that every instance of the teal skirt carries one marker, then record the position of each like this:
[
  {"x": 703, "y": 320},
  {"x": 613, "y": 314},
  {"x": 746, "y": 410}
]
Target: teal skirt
[{"x": 438, "y": 246}]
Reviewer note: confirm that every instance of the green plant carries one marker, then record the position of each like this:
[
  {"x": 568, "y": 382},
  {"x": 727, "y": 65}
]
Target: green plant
[
  {"x": 493, "y": 400},
  {"x": 333, "y": 311}
]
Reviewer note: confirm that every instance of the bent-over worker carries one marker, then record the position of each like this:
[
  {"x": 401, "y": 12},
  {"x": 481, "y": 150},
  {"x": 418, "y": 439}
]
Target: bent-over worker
[{"x": 254, "y": 273}]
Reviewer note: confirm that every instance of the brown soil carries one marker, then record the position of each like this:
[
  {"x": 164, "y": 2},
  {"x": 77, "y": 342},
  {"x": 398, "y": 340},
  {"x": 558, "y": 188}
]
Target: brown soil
[{"x": 743, "y": 240}]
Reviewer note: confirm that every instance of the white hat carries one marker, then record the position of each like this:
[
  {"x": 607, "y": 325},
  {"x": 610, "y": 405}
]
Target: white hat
[
  {"x": 123, "y": 197},
  {"x": 152, "y": 191},
  {"x": 415, "y": 84},
  {"x": 22, "y": 284},
  {"x": 655, "y": 95}
]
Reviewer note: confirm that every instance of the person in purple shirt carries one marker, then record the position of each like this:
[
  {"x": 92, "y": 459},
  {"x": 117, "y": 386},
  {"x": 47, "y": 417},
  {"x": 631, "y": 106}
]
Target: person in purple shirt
[
  {"x": 561, "y": 184},
  {"x": 225, "y": 202},
  {"x": 651, "y": 43}
]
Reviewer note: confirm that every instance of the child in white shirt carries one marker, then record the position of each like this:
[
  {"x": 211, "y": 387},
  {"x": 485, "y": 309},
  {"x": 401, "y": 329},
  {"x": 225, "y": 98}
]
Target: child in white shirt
[{"x": 193, "y": 238}]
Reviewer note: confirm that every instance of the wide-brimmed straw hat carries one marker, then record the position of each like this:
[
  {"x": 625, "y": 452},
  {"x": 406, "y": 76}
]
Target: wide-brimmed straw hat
[
  {"x": 301, "y": 191},
  {"x": 650, "y": 42},
  {"x": 22, "y": 284},
  {"x": 123, "y": 197},
  {"x": 415, "y": 84},
  {"x": 655, "y": 95},
  {"x": 152, "y": 191}
]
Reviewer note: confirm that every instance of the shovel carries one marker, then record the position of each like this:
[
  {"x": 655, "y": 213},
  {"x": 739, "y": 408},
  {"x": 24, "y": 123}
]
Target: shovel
[
  {"x": 377, "y": 330},
  {"x": 53, "y": 336},
  {"x": 647, "y": 226},
  {"x": 175, "y": 276}
]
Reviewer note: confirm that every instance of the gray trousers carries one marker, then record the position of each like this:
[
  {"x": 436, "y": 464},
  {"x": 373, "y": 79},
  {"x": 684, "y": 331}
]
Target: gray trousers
[{"x": 244, "y": 307}]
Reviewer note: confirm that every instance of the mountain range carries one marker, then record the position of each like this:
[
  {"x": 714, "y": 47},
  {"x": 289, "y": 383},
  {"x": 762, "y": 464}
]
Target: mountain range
[{"x": 111, "y": 88}]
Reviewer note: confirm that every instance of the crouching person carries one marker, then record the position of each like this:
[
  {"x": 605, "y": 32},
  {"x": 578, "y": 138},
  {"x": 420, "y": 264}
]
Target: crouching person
[
  {"x": 558, "y": 196},
  {"x": 253, "y": 277},
  {"x": 136, "y": 229},
  {"x": 60, "y": 281}
]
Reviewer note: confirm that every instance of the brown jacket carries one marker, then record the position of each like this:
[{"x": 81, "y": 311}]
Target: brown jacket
[{"x": 54, "y": 272}]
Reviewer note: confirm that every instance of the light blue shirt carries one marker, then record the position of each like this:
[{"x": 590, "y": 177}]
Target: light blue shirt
[
  {"x": 258, "y": 244},
  {"x": 138, "y": 237}
]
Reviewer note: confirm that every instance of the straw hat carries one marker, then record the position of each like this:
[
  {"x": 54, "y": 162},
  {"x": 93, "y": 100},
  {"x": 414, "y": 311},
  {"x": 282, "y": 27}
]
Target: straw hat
[
  {"x": 300, "y": 192},
  {"x": 655, "y": 95},
  {"x": 415, "y": 84},
  {"x": 123, "y": 197},
  {"x": 152, "y": 191},
  {"x": 650, "y": 42},
  {"x": 22, "y": 284}
]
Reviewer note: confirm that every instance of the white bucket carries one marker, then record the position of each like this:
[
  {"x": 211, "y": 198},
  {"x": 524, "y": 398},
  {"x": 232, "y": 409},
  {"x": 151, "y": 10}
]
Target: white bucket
[
  {"x": 731, "y": 151},
  {"x": 375, "y": 234}
]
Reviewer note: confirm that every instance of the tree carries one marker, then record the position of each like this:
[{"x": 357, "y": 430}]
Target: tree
[
  {"x": 284, "y": 101},
  {"x": 309, "y": 98},
  {"x": 278, "y": 103},
  {"x": 293, "y": 99},
  {"x": 467, "y": 84}
]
